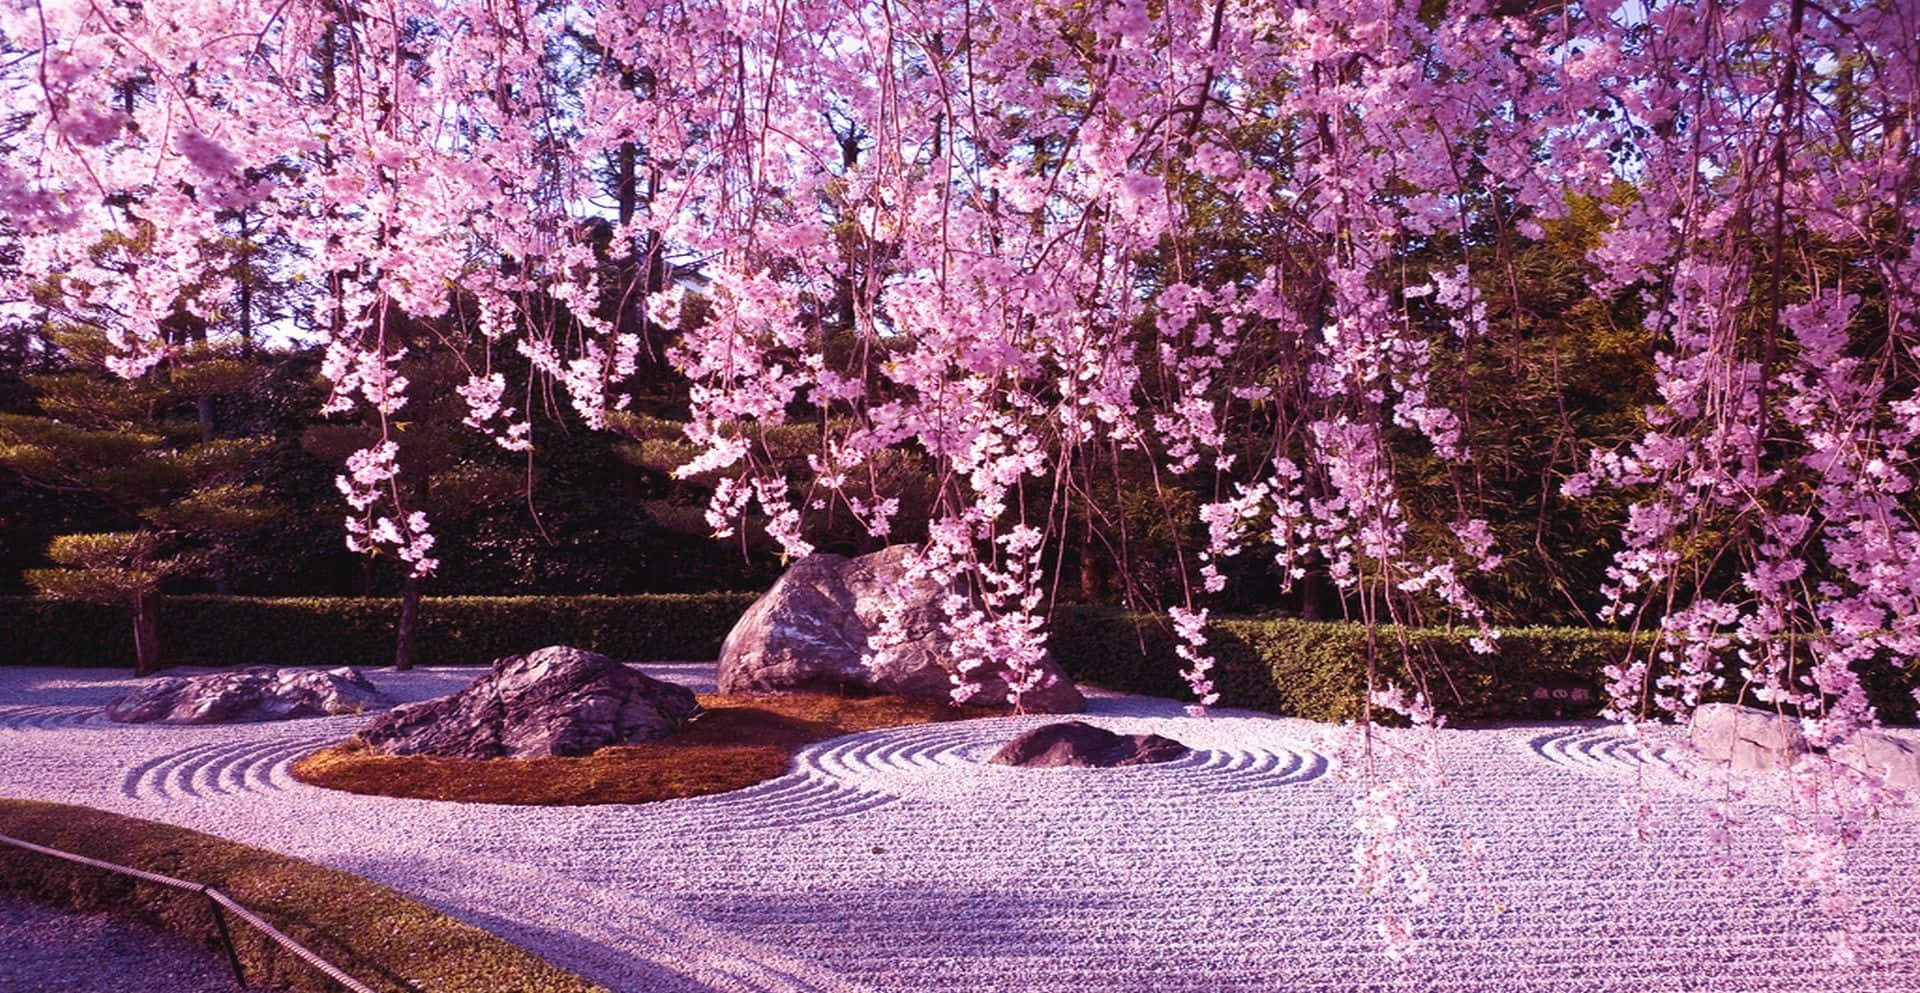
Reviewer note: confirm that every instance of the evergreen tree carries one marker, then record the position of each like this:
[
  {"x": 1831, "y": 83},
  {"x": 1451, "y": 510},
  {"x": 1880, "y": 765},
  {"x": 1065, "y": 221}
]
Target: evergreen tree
[
  {"x": 178, "y": 492},
  {"x": 123, "y": 567}
]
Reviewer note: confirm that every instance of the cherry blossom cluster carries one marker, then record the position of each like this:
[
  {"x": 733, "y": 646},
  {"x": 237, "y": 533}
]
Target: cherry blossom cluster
[
  {"x": 484, "y": 395},
  {"x": 1780, "y": 451},
  {"x": 368, "y": 484},
  {"x": 982, "y": 233},
  {"x": 1190, "y": 627}
]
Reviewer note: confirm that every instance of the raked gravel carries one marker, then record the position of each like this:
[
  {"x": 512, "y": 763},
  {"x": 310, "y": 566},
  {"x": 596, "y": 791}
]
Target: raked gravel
[{"x": 899, "y": 860}]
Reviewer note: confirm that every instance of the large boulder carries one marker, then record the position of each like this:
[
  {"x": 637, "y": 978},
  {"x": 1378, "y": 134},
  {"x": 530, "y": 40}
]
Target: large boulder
[
  {"x": 1893, "y": 761},
  {"x": 810, "y": 633},
  {"x": 554, "y": 701},
  {"x": 1746, "y": 737},
  {"x": 259, "y": 693},
  {"x": 1079, "y": 745}
]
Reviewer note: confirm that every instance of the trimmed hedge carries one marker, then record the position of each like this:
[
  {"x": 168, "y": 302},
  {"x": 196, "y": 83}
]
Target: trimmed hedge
[
  {"x": 1317, "y": 669},
  {"x": 1312, "y": 669},
  {"x": 210, "y": 630}
]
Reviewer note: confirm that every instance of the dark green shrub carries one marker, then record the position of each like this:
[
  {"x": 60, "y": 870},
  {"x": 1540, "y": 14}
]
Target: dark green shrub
[
  {"x": 1317, "y": 669},
  {"x": 1311, "y": 669},
  {"x": 44, "y": 631},
  {"x": 209, "y": 630}
]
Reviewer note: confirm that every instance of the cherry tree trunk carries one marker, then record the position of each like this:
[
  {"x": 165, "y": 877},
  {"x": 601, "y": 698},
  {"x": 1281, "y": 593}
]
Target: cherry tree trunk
[
  {"x": 406, "y": 648},
  {"x": 146, "y": 633}
]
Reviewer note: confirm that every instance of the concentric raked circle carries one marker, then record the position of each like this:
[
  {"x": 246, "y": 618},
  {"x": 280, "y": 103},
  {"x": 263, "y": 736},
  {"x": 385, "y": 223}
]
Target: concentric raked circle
[
  {"x": 937, "y": 763},
  {"x": 219, "y": 768},
  {"x": 801, "y": 797},
  {"x": 917, "y": 761},
  {"x": 51, "y": 718},
  {"x": 1600, "y": 750}
]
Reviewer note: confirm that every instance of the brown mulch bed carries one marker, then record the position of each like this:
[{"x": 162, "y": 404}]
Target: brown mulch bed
[{"x": 739, "y": 741}]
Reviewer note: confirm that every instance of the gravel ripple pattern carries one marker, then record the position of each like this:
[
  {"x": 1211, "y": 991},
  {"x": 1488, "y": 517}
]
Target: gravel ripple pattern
[
  {"x": 947, "y": 757},
  {"x": 899, "y": 860},
  {"x": 31, "y": 719},
  {"x": 217, "y": 769},
  {"x": 1604, "y": 750}
]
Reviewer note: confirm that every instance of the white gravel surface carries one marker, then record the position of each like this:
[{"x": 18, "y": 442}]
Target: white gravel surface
[
  {"x": 898, "y": 861},
  {"x": 45, "y": 950}
]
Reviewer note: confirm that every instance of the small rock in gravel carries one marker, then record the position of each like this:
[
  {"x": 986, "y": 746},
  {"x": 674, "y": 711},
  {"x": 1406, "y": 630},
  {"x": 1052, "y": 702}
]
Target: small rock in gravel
[
  {"x": 259, "y": 693},
  {"x": 1077, "y": 744}
]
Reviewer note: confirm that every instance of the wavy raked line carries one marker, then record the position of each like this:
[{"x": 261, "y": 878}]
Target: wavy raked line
[
  {"x": 897, "y": 759},
  {"x": 30, "y": 719},
  {"x": 218, "y": 769},
  {"x": 1607, "y": 751}
]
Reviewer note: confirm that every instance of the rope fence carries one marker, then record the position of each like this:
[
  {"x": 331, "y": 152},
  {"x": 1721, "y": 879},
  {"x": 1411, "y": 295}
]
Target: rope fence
[{"x": 221, "y": 904}]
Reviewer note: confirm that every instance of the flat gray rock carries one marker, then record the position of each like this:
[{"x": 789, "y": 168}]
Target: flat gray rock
[
  {"x": 1076, "y": 744},
  {"x": 810, "y": 633},
  {"x": 245, "y": 695},
  {"x": 553, "y": 701}
]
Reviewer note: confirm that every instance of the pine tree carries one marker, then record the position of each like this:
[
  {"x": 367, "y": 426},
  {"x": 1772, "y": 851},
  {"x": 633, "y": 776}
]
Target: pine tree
[
  {"x": 124, "y": 567},
  {"x": 145, "y": 448}
]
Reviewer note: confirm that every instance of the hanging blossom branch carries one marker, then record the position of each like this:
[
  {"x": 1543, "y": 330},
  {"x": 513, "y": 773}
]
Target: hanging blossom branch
[
  {"x": 1004, "y": 323},
  {"x": 977, "y": 233},
  {"x": 412, "y": 150},
  {"x": 996, "y": 276},
  {"x": 1772, "y": 532}
]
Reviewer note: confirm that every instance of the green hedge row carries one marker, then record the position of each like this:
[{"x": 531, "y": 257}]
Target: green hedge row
[
  {"x": 1317, "y": 669},
  {"x": 209, "y": 630},
  {"x": 1312, "y": 669}
]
